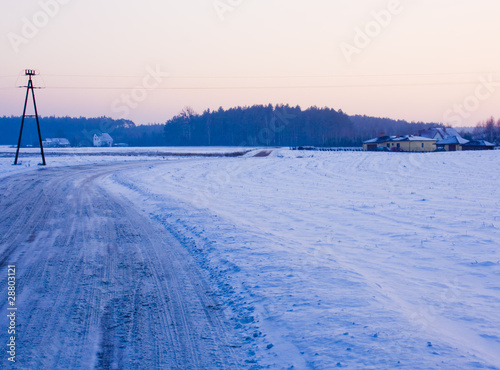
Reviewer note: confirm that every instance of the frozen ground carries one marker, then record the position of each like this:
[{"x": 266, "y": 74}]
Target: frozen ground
[
  {"x": 101, "y": 286},
  {"x": 356, "y": 259},
  {"x": 30, "y": 158},
  {"x": 121, "y": 151},
  {"x": 312, "y": 259}
]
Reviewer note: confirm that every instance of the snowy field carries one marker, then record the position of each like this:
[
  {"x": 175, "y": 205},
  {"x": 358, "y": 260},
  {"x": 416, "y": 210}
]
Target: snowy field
[
  {"x": 336, "y": 259},
  {"x": 30, "y": 158},
  {"x": 363, "y": 260},
  {"x": 125, "y": 151}
]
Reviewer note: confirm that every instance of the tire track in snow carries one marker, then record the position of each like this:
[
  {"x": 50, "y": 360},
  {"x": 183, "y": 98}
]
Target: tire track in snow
[{"x": 101, "y": 285}]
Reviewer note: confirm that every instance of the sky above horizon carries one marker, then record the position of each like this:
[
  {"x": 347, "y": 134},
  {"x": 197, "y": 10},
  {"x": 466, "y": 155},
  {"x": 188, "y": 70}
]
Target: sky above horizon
[{"x": 431, "y": 61}]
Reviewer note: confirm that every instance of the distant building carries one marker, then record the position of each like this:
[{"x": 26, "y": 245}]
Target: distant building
[
  {"x": 408, "y": 143},
  {"x": 373, "y": 145},
  {"x": 452, "y": 143},
  {"x": 411, "y": 143},
  {"x": 439, "y": 133},
  {"x": 56, "y": 143},
  {"x": 478, "y": 145},
  {"x": 103, "y": 140}
]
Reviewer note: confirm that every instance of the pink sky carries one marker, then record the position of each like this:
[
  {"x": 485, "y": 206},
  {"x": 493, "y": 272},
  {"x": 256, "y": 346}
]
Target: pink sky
[{"x": 415, "y": 60}]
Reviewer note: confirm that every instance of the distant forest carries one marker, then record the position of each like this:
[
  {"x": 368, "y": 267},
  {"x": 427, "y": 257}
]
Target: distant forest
[
  {"x": 259, "y": 125},
  {"x": 280, "y": 125},
  {"x": 489, "y": 130},
  {"x": 80, "y": 131}
]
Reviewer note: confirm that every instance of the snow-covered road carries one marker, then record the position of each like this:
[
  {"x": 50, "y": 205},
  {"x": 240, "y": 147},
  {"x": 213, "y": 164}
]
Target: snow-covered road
[{"x": 99, "y": 284}]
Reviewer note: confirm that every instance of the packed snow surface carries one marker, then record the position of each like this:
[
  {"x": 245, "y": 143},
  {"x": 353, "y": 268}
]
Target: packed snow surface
[
  {"x": 30, "y": 158},
  {"x": 339, "y": 259},
  {"x": 349, "y": 259}
]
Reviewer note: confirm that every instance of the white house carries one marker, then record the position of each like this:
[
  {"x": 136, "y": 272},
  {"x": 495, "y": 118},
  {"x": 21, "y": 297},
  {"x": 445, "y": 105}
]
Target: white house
[
  {"x": 103, "y": 140},
  {"x": 438, "y": 133},
  {"x": 56, "y": 143}
]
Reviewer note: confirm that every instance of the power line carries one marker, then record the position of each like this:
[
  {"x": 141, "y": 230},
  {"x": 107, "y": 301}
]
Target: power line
[
  {"x": 287, "y": 76},
  {"x": 271, "y": 87},
  {"x": 327, "y": 86}
]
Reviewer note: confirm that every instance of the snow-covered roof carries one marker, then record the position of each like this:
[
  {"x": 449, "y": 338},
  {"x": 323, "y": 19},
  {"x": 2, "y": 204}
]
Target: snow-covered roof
[
  {"x": 58, "y": 140},
  {"x": 450, "y": 131},
  {"x": 431, "y": 132},
  {"x": 443, "y": 132},
  {"x": 105, "y": 137},
  {"x": 381, "y": 139},
  {"x": 479, "y": 143},
  {"x": 413, "y": 138},
  {"x": 386, "y": 139},
  {"x": 453, "y": 140}
]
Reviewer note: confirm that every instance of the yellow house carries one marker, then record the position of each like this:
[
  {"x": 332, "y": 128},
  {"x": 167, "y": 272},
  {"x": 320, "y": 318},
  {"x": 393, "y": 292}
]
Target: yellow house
[
  {"x": 410, "y": 143},
  {"x": 407, "y": 143},
  {"x": 377, "y": 144},
  {"x": 452, "y": 143}
]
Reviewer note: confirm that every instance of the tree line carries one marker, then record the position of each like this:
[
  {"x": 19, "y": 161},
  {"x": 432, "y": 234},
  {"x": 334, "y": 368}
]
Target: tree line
[
  {"x": 80, "y": 131},
  {"x": 488, "y": 130},
  {"x": 258, "y": 125},
  {"x": 281, "y": 125}
]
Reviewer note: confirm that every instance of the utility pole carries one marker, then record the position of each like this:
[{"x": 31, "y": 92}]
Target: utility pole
[{"x": 30, "y": 73}]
